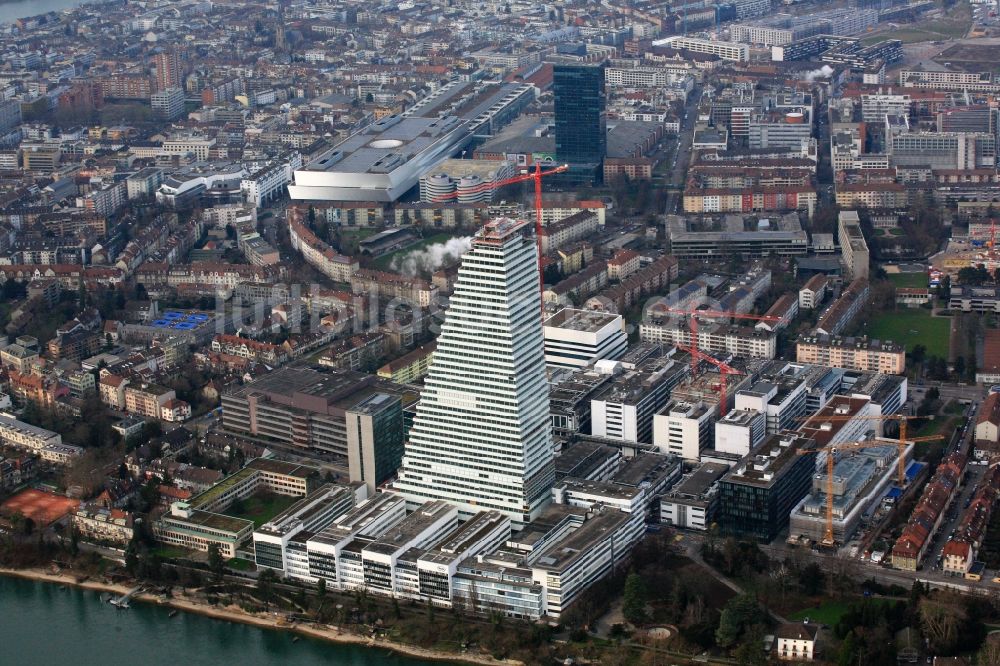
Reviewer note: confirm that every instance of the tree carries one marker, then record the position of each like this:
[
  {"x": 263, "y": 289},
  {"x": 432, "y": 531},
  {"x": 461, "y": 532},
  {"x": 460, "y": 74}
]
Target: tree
[
  {"x": 848, "y": 650},
  {"x": 321, "y": 588},
  {"x": 941, "y": 620},
  {"x": 960, "y": 364},
  {"x": 634, "y": 599},
  {"x": 811, "y": 579},
  {"x": 215, "y": 562},
  {"x": 918, "y": 354},
  {"x": 265, "y": 584},
  {"x": 740, "y": 613}
]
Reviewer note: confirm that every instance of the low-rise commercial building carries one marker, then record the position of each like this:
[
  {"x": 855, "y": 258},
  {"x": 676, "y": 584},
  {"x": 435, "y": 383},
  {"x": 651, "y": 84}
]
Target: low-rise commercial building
[{"x": 693, "y": 502}]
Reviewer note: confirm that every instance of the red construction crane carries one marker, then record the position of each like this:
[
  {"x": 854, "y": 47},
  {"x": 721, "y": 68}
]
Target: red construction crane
[
  {"x": 693, "y": 313},
  {"x": 724, "y": 371},
  {"x": 535, "y": 176}
]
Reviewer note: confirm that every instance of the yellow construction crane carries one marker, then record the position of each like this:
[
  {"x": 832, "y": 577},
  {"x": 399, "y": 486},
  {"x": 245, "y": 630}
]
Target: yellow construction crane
[
  {"x": 831, "y": 451},
  {"x": 901, "y": 442}
]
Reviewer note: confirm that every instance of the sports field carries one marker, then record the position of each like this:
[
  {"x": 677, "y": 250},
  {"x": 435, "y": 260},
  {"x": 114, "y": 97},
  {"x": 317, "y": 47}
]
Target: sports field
[
  {"x": 912, "y": 327},
  {"x": 42, "y": 507}
]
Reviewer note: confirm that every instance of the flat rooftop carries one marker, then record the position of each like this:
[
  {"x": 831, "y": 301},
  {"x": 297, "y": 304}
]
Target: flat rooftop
[
  {"x": 560, "y": 555},
  {"x": 767, "y": 463},
  {"x": 357, "y": 519},
  {"x": 588, "y": 321},
  {"x": 411, "y": 527},
  {"x": 386, "y": 144},
  {"x": 697, "y": 483}
]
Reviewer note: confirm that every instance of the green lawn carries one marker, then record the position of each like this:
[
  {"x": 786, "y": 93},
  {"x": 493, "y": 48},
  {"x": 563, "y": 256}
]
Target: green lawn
[
  {"x": 914, "y": 280},
  {"x": 830, "y": 612},
  {"x": 171, "y": 553},
  {"x": 913, "y": 327},
  {"x": 383, "y": 262},
  {"x": 239, "y": 564},
  {"x": 260, "y": 508}
]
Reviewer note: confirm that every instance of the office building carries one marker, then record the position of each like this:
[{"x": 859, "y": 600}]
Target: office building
[
  {"x": 578, "y": 338},
  {"x": 683, "y": 429},
  {"x": 693, "y": 502},
  {"x": 581, "y": 121},
  {"x": 276, "y": 545},
  {"x": 304, "y": 408},
  {"x": 200, "y": 522},
  {"x": 374, "y": 439},
  {"x": 725, "y": 50},
  {"x": 481, "y": 437},
  {"x": 740, "y": 431},
  {"x": 942, "y": 150},
  {"x": 782, "y": 399},
  {"x": 168, "y": 104},
  {"x": 624, "y": 408},
  {"x": 734, "y": 235},
  {"x": 757, "y": 495}
]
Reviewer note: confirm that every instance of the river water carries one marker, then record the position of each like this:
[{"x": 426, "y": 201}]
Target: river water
[
  {"x": 43, "y": 624},
  {"x": 10, "y": 11}
]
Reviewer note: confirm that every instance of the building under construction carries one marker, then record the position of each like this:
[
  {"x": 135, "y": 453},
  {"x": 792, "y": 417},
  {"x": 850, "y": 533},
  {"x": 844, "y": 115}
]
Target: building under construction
[{"x": 861, "y": 478}]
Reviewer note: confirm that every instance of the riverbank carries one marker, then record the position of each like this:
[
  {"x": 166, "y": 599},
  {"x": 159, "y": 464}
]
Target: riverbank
[{"x": 260, "y": 620}]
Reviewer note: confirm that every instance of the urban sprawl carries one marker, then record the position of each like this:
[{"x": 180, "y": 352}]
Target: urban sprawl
[{"x": 464, "y": 304}]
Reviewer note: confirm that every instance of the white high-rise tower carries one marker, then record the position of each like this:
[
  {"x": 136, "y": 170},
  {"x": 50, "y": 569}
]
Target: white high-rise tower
[{"x": 481, "y": 437}]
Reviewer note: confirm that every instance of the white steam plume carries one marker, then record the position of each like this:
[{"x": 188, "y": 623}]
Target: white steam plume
[
  {"x": 432, "y": 257},
  {"x": 823, "y": 72}
]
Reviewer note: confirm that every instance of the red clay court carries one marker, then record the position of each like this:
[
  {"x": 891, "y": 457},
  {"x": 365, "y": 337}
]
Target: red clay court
[{"x": 42, "y": 507}]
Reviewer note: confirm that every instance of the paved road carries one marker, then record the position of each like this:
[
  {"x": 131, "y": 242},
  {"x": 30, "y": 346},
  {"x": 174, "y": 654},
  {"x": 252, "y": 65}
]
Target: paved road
[{"x": 682, "y": 158}]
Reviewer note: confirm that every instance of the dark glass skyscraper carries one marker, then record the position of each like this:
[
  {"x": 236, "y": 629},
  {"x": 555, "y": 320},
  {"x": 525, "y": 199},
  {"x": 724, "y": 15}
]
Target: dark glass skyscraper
[{"x": 581, "y": 123}]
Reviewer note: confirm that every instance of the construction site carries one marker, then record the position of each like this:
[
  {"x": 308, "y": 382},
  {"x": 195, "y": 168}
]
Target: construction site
[{"x": 861, "y": 478}]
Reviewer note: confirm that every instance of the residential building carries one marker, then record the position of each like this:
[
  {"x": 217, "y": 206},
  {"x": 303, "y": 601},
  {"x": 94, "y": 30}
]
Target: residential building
[
  {"x": 852, "y": 353},
  {"x": 796, "y": 641},
  {"x": 100, "y": 524},
  {"x": 411, "y": 367},
  {"x": 147, "y": 399},
  {"x": 813, "y": 292},
  {"x": 853, "y": 248},
  {"x": 909, "y": 549}
]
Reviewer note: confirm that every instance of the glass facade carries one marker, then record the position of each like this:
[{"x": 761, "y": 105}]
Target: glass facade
[
  {"x": 761, "y": 511},
  {"x": 269, "y": 555},
  {"x": 581, "y": 126}
]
